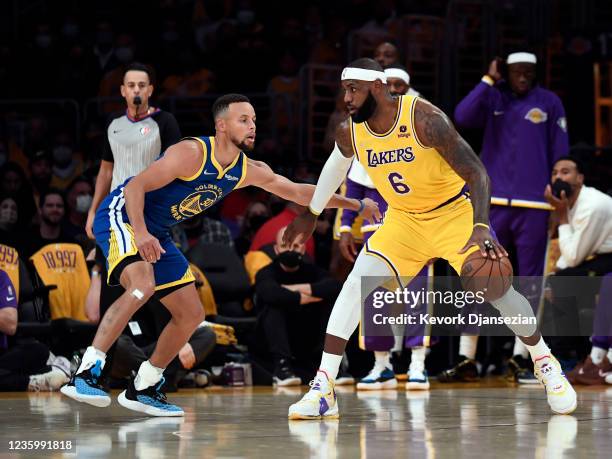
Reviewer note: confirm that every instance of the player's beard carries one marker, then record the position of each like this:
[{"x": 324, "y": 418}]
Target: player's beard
[
  {"x": 243, "y": 145},
  {"x": 366, "y": 110}
]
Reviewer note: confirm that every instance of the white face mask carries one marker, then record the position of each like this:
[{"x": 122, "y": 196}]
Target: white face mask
[
  {"x": 83, "y": 203},
  {"x": 8, "y": 216}
]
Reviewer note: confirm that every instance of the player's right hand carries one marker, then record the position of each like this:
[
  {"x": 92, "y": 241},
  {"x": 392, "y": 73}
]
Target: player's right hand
[
  {"x": 89, "y": 225},
  {"x": 149, "y": 247},
  {"x": 371, "y": 211},
  {"x": 301, "y": 227},
  {"x": 347, "y": 246}
]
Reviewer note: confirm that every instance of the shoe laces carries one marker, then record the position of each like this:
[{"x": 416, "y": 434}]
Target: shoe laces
[
  {"x": 548, "y": 373},
  {"x": 157, "y": 392},
  {"x": 316, "y": 385},
  {"x": 375, "y": 372}
]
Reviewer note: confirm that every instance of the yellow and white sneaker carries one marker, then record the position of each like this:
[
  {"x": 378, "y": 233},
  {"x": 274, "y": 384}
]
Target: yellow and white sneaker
[
  {"x": 319, "y": 402},
  {"x": 560, "y": 393}
]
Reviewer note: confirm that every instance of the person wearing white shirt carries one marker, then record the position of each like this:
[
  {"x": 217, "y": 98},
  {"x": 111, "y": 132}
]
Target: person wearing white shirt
[{"x": 584, "y": 218}]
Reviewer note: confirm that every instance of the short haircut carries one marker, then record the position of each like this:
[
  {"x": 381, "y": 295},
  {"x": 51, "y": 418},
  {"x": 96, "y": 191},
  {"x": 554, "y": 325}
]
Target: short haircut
[
  {"x": 579, "y": 164},
  {"x": 222, "y": 103},
  {"x": 138, "y": 67},
  {"x": 49, "y": 192},
  {"x": 366, "y": 63},
  {"x": 397, "y": 66}
]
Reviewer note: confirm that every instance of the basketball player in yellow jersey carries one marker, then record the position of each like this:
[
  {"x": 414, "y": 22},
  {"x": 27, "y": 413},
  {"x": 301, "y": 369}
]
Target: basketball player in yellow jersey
[{"x": 420, "y": 165}]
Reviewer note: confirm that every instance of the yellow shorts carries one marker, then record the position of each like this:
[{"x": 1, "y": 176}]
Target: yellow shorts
[{"x": 406, "y": 242}]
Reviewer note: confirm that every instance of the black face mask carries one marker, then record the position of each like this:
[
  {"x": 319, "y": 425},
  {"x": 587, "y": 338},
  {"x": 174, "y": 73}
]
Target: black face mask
[
  {"x": 366, "y": 110},
  {"x": 558, "y": 186},
  {"x": 290, "y": 259},
  {"x": 257, "y": 221}
]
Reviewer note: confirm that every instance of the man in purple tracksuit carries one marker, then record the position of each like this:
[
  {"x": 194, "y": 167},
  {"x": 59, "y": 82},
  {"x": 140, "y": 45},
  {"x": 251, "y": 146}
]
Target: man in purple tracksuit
[{"x": 525, "y": 131}]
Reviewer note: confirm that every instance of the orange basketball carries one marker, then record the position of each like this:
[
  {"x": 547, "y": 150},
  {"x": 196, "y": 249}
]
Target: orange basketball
[{"x": 493, "y": 277}]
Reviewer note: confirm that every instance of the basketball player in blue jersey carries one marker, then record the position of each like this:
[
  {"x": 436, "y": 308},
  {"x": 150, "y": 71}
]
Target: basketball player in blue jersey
[{"x": 132, "y": 228}]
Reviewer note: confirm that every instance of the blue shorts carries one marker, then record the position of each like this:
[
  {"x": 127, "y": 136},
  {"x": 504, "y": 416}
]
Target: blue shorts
[{"x": 115, "y": 236}]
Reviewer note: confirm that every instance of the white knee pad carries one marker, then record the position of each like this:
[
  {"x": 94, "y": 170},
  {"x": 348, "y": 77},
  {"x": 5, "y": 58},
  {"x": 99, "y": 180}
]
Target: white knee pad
[{"x": 513, "y": 304}]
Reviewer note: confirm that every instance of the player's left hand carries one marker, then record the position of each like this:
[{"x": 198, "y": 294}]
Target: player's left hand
[
  {"x": 561, "y": 203},
  {"x": 371, "y": 211},
  {"x": 484, "y": 240},
  {"x": 302, "y": 226}
]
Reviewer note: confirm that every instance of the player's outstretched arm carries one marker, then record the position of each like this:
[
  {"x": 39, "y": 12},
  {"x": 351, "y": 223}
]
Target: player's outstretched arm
[
  {"x": 434, "y": 129},
  {"x": 261, "y": 175},
  {"x": 180, "y": 160}
]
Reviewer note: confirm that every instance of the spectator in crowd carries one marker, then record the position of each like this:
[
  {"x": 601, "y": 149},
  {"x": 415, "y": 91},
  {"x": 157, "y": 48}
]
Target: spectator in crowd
[
  {"x": 79, "y": 197},
  {"x": 201, "y": 230},
  {"x": 41, "y": 173},
  {"x": 255, "y": 217},
  {"x": 51, "y": 229},
  {"x": 269, "y": 230},
  {"x": 293, "y": 296},
  {"x": 582, "y": 217},
  {"x": 525, "y": 133},
  {"x": 24, "y": 366},
  {"x": 67, "y": 164},
  {"x": 10, "y": 232},
  {"x": 398, "y": 80},
  {"x": 14, "y": 182},
  {"x": 386, "y": 54}
]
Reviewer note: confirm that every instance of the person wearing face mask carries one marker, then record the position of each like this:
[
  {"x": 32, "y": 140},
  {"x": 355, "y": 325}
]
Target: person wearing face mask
[
  {"x": 293, "y": 298},
  {"x": 78, "y": 199},
  {"x": 525, "y": 132},
  {"x": 582, "y": 216},
  {"x": 66, "y": 164}
]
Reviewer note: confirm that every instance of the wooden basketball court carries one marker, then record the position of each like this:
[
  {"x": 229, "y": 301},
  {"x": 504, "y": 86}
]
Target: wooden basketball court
[{"x": 489, "y": 419}]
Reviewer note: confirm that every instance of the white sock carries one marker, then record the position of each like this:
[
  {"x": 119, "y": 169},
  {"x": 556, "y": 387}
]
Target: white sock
[
  {"x": 519, "y": 348},
  {"x": 398, "y": 343},
  {"x": 147, "y": 376},
  {"x": 610, "y": 355},
  {"x": 330, "y": 364},
  {"x": 382, "y": 359},
  {"x": 91, "y": 356},
  {"x": 538, "y": 350},
  {"x": 597, "y": 355},
  {"x": 417, "y": 360},
  {"x": 467, "y": 346}
]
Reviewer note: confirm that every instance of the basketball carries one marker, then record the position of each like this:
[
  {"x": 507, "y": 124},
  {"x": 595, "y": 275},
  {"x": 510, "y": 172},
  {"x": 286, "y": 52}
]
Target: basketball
[{"x": 493, "y": 277}]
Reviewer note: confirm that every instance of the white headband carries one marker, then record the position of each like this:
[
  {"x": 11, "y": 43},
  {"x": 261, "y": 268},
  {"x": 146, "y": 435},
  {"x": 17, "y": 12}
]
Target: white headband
[
  {"x": 516, "y": 58},
  {"x": 354, "y": 73},
  {"x": 398, "y": 73}
]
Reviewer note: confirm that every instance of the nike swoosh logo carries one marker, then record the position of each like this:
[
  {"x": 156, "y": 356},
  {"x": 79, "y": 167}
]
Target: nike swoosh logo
[
  {"x": 10, "y": 298},
  {"x": 115, "y": 132},
  {"x": 209, "y": 173},
  {"x": 497, "y": 113}
]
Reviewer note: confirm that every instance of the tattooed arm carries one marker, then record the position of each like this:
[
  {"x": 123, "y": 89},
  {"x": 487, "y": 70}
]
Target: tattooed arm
[{"x": 434, "y": 129}]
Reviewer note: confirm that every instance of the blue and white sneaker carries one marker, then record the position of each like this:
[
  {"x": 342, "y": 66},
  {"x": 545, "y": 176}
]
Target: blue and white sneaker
[
  {"x": 320, "y": 402},
  {"x": 85, "y": 387},
  {"x": 378, "y": 379},
  {"x": 151, "y": 401},
  {"x": 417, "y": 380}
]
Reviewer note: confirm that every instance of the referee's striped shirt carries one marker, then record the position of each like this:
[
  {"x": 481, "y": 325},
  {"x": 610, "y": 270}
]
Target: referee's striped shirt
[{"x": 132, "y": 145}]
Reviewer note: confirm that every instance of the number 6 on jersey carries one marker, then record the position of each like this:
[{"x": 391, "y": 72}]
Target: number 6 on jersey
[{"x": 398, "y": 185}]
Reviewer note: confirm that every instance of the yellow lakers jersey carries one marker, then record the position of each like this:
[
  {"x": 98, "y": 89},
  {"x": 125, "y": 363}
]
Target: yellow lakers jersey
[
  {"x": 64, "y": 265},
  {"x": 409, "y": 176},
  {"x": 9, "y": 262}
]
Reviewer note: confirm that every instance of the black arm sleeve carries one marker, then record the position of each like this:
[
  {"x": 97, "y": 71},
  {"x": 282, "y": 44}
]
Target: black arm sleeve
[
  {"x": 270, "y": 292},
  {"x": 324, "y": 286},
  {"x": 169, "y": 130}
]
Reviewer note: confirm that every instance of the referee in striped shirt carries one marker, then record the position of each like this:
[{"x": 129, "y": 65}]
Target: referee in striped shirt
[{"x": 134, "y": 140}]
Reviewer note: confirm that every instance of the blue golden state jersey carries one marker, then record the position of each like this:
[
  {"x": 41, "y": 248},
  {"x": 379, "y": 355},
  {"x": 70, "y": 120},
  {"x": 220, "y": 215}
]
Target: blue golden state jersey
[{"x": 183, "y": 198}]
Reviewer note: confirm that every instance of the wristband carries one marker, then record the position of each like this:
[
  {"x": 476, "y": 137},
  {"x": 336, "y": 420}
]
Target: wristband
[
  {"x": 361, "y": 206},
  {"x": 488, "y": 80},
  {"x": 484, "y": 225}
]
